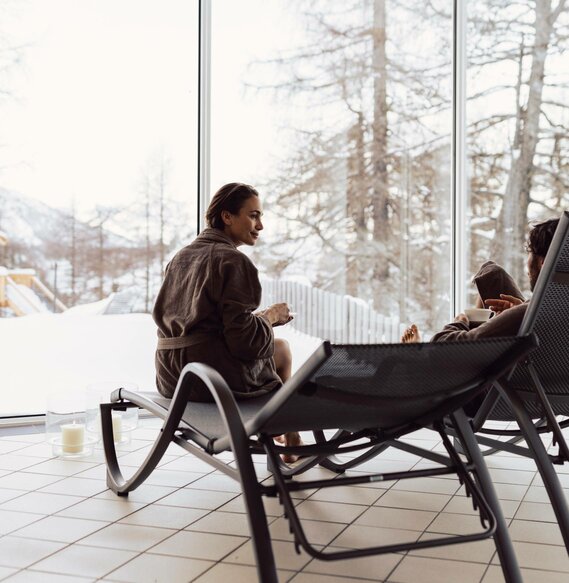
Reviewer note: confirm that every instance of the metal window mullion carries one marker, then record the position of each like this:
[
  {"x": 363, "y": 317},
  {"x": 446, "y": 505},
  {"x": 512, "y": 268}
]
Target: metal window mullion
[
  {"x": 204, "y": 110},
  {"x": 459, "y": 193}
]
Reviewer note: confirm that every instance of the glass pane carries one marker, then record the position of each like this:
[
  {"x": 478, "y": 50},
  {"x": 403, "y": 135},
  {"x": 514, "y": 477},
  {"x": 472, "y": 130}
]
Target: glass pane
[
  {"x": 518, "y": 85},
  {"x": 98, "y": 108},
  {"x": 340, "y": 113}
]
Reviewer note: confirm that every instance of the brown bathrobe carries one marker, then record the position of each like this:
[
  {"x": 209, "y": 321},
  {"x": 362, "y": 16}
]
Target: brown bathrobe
[
  {"x": 491, "y": 281},
  {"x": 204, "y": 313}
]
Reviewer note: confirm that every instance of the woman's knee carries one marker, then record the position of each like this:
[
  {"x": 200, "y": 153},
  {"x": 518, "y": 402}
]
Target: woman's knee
[{"x": 282, "y": 350}]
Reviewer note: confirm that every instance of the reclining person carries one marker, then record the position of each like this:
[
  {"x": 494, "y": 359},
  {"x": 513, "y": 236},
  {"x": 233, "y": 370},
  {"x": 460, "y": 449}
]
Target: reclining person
[{"x": 499, "y": 292}]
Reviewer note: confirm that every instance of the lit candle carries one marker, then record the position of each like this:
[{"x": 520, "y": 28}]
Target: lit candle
[
  {"x": 117, "y": 428},
  {"x": 72, "y": 437}
]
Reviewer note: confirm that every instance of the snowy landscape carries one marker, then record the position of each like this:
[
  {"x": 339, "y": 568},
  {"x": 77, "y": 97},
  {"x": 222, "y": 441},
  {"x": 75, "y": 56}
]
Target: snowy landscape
[{"x": 51, "y": 353}]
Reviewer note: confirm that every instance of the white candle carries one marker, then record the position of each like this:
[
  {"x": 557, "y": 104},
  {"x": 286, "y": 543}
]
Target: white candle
[
  {"x": 72, "y": 437},
  {"x": 117, "y": 428}
]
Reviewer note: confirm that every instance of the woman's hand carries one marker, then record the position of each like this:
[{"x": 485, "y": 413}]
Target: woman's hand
[
  {"x": 277, "y": 314},
  {"x": 504, "y": 303},
  {"x": 462, "y": 318}
]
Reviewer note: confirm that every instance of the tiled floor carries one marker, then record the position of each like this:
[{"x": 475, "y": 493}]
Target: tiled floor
[{"x": 59, "y": 523}]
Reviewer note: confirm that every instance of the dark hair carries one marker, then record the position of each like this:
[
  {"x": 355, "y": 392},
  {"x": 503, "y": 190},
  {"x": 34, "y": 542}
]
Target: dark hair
[
  {"x": 540, "y": 237},
  {"x": 230, "y": 197}
]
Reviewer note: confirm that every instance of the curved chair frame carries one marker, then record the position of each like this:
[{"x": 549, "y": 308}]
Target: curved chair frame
[{"x": 246, "y": 429}]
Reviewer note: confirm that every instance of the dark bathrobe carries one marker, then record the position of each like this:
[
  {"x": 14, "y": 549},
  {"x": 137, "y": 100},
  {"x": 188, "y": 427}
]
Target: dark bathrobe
[
  {"x": 204, "y": 313},
  {"x": 491, "y": 281}
]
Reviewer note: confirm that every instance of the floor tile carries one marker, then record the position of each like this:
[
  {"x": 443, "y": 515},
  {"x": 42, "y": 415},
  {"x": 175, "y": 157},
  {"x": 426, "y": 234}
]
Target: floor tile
[
  {"x": 475, "y": 552},
  {"x": 271, "y": 505},
  {"x": 414, "y": 500},
  {"x": 162, "y": 477},
  {"x": 192, "y": 498},
  {"x": 84, "y": 561},
  {"x": 165, "y": 516},
  {"x": 199, "y": 545},
  {"x": 329, "y": 511},
  {"x": 396, "y": 518},
  {"x": 59, "y": 528},
  {"x": 359, "y": 536},
  {"x": 217, "y": 482},
  {"x": 8, "y": 447},
  {"x": 26, "y": 481},
  {"x": 374, "y": 568},
  {"x": 538, "y": 556},
  {"x": 41, "y": 503},
  {"x": 9, "y": 494},
  {"x": 6, "y": 571},
  {"x": 536, "y": 532},
  {"x": 510, "y": 491},
  {"x": 426, "y": 570},
  {"x": 317, "y": 533},
  {"x": 128, "y": 537},
  {"x": 495, "y": 575},
  {"x": 150, "y": 568},
  {"x": 223, "y": 523},
  {"x": 15, "y": 462},
  {"x": 145, "y": 494},
  {"x": 506, "y": 476},
  {"x": 76, "y": 487},
  {"x": 29, "y": 576},
  {"x": 313, "y": 578},
  {"x": 431, "y": 485},
  {"x": 10, "y": 521},
  {"x": 15, "y": 553},
  {"x": 535, "y": 511},
  {"x": 447, "y": 523},
  {"x": 347, "y": 495},
  {"x": 233, "y": 573},
  {"x": 285, "y": 554},
  {"x": 59, "y": 467},
  {"x": 95, "y": 509}
]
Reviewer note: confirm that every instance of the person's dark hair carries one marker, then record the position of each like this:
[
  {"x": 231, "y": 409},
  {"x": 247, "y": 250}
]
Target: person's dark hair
[
  {"x": 230, "y": 197},
  {"x": 540, "y": 237}
]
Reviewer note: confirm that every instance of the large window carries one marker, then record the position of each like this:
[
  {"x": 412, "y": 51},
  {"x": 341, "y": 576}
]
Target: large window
[
  {"x": 341, "y": 113},
  {"x": 98, "y": 103},
  {"x": 518, "y": 125}
]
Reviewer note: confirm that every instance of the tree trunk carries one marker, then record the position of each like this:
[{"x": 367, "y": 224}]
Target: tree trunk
[
  {"x": 512, "y": 222},
  {"x": 101, "y": 262},
  {"x": 355, "y": 205},
  {"x": 380, "y": 193},
  {"x": 148, "y": 257}
]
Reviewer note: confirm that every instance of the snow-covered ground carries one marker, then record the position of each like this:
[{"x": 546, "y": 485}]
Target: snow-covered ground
[{"x": 48, "y": 353}]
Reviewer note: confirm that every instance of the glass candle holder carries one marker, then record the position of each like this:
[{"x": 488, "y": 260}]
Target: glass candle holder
[
  {"x": 124, "y": 422},
  {"x": 65, "y": 425}
]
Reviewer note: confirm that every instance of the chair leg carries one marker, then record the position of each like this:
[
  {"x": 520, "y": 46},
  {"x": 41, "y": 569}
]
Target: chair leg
[
  {"x": 492, "y": 450},
  {"x": 543, "y": 462},
  {"x": 333, "y": 464},
  {"x": 502, "y": 539}
]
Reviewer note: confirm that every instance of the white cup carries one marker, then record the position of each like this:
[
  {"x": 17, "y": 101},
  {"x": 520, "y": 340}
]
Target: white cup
[{"x": 478, "y": 315}]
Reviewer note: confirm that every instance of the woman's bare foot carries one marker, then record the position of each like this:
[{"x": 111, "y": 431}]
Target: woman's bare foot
[
  {"x": 291, "y": 439},
  {"x": 411, "y": 334}
]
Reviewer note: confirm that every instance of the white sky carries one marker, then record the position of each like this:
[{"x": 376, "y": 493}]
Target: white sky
[{"x": 107, "y": 86}]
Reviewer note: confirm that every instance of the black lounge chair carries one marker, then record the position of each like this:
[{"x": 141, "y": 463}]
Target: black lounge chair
[
  {"x": 379, "y": 393},
  {"x": 537, "y": 391}
]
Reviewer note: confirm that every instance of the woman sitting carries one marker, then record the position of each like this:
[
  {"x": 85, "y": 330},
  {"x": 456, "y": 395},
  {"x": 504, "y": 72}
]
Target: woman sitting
[{"x": 205, "y": 310}]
